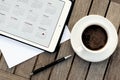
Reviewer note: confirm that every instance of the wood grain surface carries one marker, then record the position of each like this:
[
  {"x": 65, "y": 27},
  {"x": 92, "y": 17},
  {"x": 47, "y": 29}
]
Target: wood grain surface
[
  {"x": 8, "y": 76},
  {"x": 113, "y": 71},
  {"x": 117, "y": 1},
  {"x": 74, "y": 68}
]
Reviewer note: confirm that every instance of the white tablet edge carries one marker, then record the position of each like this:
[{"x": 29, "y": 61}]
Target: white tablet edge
[
  {"x": 60, "y": 25},
  {"x": 56, "y": 34}
]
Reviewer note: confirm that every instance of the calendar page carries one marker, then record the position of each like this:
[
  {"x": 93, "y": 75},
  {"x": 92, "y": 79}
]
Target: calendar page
[{"x": 32, "y": 20}]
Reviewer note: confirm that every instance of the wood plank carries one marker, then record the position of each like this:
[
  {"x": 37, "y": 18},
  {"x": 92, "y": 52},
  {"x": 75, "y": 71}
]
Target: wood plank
[
  {"x": 99, "y": 7},
  {"x": 61, "y": 71},
  {"x": 0, "y": 54},
  {"x": 79, "y": 69},
  {"x": 3, "y": 66},
  {"x": 43, "y": 60},
  {"x": 96, "y": 71},
  {"x": 113, "y": 71},
  {"x": 8, "y": 76},
  {"x": 80, "y": 10},
  {"x": 118, "y": 1},
  {"x": 114, "y": 14},
  {"x": 25, "y": 68}
]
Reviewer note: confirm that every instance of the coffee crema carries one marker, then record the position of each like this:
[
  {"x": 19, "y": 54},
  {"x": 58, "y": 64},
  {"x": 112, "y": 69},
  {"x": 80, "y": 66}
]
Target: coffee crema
[{"x": 94, "y": 37}]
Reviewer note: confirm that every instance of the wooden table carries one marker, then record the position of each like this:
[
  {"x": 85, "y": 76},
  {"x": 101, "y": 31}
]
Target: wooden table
[{"x": 74, "y": 68}]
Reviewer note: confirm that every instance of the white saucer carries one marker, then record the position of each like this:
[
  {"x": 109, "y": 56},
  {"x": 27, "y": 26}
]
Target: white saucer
[{"x": 110, "y": 45}]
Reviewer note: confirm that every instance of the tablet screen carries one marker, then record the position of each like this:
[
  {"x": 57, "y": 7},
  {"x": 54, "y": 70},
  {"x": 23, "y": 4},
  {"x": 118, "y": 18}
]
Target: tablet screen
[{"x": 32, "y": 20}]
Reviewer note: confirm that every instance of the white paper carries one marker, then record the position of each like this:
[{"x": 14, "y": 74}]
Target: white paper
[{"x": 15, "y": 52}]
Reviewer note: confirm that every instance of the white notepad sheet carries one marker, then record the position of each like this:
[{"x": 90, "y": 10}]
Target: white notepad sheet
[{"x": 16, "y": 52}]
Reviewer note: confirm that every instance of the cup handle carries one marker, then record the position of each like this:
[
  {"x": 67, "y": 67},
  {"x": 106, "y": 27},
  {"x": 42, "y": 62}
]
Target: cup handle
[{"x": 79, "y": 49}]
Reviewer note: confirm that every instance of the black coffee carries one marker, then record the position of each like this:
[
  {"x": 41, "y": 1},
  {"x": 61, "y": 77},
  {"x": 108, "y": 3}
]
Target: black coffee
[{"x": 94, "y": 37}]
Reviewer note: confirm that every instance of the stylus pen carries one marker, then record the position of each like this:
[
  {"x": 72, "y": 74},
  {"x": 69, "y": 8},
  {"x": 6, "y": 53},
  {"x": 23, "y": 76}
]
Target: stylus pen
[{"x": 50, "y": 65}]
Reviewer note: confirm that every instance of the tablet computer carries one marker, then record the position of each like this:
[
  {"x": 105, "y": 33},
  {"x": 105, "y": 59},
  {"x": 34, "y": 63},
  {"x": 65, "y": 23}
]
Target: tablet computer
[{"x": 38, "y": 23}]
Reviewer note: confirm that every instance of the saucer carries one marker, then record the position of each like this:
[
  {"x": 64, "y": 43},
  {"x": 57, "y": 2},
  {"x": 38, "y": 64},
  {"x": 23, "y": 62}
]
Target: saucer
[{"x": 111, "y": 43}]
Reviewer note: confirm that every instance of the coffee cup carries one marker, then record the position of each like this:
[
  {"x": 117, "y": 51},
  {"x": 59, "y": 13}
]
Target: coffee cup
[{"x": 94, "y": 38}]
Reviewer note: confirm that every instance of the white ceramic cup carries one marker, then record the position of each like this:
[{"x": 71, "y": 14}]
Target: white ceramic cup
[{"x": 86, "y": 53}]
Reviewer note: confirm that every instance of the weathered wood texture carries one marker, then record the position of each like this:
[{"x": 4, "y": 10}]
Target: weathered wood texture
[
  {"x": 43, "y": 60},
  {"x": 113, "y": 71},
  {"x": 74, "y": 68},
  {"x": 117, "y": 1},
  {"x": 0, "y": 54},
  {"x": 114, "y": 14},
  {"x": 25, "y": 68},
  {"x": 8, "y": 76},
  {"x": 99, "y": 7},
  {"x": 97, "y": 70},
  {"x": 3, "y": 65},
  {"x": 61, "y": 71}
]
